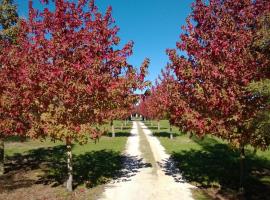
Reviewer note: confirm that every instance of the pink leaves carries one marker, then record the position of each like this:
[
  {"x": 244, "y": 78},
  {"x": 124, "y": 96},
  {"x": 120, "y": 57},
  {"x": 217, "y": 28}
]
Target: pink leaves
[
  {"x": 67, "y": 70},
  {"x": 218, "y": 66}
]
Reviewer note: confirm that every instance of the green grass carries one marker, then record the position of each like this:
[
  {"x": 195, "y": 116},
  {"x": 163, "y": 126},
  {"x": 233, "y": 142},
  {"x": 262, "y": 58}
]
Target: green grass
[
  {"x": 94, "y": 163},
  {"x": 16, "y": 146},
  {"x": 212, "y": 163},
  {"x": 200, "y": 195}
]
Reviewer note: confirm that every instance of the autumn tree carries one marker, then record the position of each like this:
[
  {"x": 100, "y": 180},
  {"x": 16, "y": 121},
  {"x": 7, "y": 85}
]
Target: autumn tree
[
  {"x": 166, "y": 96},
  {"x": 8, "y": 27},
  {"x": 125, "y": 98},
  {"x": 213, "y": 77},
  {"x": 157, "y": 103},
  {"x": 69, "y": 67},
  {"x": 261, "y": 43}
]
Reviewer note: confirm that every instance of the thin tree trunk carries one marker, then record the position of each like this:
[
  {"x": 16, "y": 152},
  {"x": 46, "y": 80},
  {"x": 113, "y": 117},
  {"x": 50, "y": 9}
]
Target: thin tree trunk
[
  {"x": 69, "y": 164},
  {"x": 158, "y": 125},
  {"x": 2, "y": 157},
  {"x": 171, "y": 135},
  {"x": 190, "y": 135},
  {"x": 113, "y": 131},
  {"x": 125, "y": 122},
  {"x": 254, "y": 150},
  {"x": 122, "y": 124},
  {"x": 242, "y": 170}
]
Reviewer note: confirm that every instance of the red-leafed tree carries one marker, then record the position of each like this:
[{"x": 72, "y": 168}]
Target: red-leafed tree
[
  {"x": 125, "y": 98},
  {"x": 158, "y": 103},
  {"x": 8, "y": 30},
  {"x": 69, "y": 74},
  {"x": 212, "y": 78}
]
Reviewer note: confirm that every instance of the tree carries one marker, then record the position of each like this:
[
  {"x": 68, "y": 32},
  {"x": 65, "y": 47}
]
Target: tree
[
  {"x": 158, "y": 101},
  {"x": 8, "y": 20},
  {"x": 8, "y": 27},
  {"x": 261, "y": 44},
  {"x": 70, "y": 70},
  {"x": 213, "y": 77},
  {"x": 125, "y": 98}
]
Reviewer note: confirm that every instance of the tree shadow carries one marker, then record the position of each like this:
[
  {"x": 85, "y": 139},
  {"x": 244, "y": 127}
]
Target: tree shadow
[
  {"x": 16, "y": 139},
  {"x": 92, "y": 168},
  {"x": 124, "y": 128},
  {"x": 155, "y": 128},
  {"x": 164, "y": 134},
  {"x": 217, "y": 165},
  {"x": 120, "y": 134}
]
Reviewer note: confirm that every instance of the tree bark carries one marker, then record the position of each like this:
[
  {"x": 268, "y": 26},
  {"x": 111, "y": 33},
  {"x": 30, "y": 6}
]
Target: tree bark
[
  {"x": 2, "y": 157},
  {"x": 158, "y": 125},
  {"x": 242, "y": 170},
  {"x": 113, "y": 131},
  {"x": 69, "y": 165}
]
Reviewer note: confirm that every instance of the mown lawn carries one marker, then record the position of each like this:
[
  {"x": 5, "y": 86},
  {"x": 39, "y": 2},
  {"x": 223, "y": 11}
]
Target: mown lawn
[
  {"x": 37, "y": 169},
  {"x": 213, "y": 166}
]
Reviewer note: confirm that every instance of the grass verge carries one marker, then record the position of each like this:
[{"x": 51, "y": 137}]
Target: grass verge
[
  {"x": 37, "y": 169},
  {"x": 211, "y": 164}
]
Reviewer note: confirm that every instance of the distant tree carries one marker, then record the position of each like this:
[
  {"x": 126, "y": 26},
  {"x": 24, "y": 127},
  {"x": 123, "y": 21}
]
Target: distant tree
[
  {"x": 157, "y": 103},
  {"x": 213, "y": 77}
]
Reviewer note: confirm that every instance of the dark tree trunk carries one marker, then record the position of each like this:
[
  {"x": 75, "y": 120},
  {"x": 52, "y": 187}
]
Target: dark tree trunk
[
  {"x": 242, "y": 170},
  {"x": 2, "y": 157}
]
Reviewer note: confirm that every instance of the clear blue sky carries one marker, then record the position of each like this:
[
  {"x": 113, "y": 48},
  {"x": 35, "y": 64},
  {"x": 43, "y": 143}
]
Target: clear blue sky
[{"x": 154, "y": 26}]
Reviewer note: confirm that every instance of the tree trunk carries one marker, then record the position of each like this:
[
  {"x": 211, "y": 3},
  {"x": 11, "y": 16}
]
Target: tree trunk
[
  {"x": 69, "y": 165},
  {"x": 190, "y": 135},
  {"x": 254, "y": 150},
  {"x": 125, "y": 122},
  {"x": 158, "y": 125},
  {"x": 122, "y": 124},
  {"x": 113, "y": 131},
  {"x": 242, "y": 170},
  {"x": 2, "y": 157},
  {"x": 171, "y": 135}
]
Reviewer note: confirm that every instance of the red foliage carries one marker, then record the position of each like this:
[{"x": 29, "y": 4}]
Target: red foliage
[
  {"x": 212, "y": 79},
  {"x": 157, "y": 103},
  {"x": 65, "y": 74}
]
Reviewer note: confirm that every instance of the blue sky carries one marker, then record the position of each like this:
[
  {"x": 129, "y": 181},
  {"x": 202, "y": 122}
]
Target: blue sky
[{"x": 153, "y": 25}]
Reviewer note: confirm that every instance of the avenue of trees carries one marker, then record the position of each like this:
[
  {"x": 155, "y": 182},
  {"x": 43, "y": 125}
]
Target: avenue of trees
[
  {"x": 221, "y": 87},
  {"x": 63, "y": 73}
]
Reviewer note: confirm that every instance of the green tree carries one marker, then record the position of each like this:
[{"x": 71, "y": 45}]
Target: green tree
[{"x": 8, "y": 20}]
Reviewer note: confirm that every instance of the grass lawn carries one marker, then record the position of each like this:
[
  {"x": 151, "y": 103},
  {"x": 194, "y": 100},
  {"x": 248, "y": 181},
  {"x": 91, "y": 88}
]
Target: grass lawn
[
  {"x": 213, "y": 166},
  {"x": 37, "y": 169}
]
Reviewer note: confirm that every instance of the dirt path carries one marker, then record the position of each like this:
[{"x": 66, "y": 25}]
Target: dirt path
[{"x": 150, "y": 182}]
